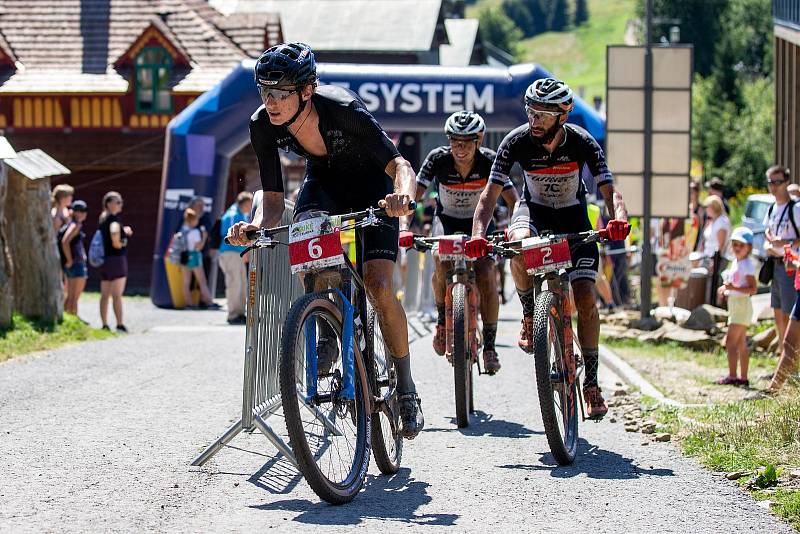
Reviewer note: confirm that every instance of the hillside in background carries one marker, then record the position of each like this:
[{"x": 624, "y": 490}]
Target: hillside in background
[{"x": 577, "y": 55}]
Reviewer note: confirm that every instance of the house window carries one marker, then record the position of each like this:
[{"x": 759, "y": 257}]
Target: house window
[{"x": 153, "y": 71}]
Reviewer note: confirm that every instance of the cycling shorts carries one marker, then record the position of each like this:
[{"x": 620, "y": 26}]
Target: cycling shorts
[
  {"x": 537, "y": 218},
  {"x": 380, "y": 242},
  {"x": 444, "y": 225}
]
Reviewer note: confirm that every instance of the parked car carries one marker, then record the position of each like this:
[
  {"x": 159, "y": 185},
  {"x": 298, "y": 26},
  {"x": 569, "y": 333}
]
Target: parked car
[{"x": 754, "y": 212}]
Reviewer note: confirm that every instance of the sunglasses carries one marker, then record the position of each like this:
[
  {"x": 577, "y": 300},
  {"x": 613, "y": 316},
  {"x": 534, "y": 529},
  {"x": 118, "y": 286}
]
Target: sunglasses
[
  {"x": 277, "y": 94},
  {"x": 541, "y": 115},
  {"x": 462, "y": 143},
  {"x": 775, "y": 182}
]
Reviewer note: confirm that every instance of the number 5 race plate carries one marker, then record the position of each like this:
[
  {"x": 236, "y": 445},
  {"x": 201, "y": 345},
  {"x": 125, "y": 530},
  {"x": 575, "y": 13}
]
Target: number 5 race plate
[
  {"x": 542, "y": 255},
  {"x": 314, "y": 244},
  {"x": 451, "y": 247}
]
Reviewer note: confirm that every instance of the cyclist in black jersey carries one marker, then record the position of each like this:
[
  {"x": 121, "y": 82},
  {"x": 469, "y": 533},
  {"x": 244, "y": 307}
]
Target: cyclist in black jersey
[
  {"x": 459, "y": 172},
  {"x": 552, "y": 155},
  {"x": 351, "y": 164}
]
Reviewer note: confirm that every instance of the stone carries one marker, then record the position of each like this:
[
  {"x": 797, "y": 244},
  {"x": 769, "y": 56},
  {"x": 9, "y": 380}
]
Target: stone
[
  {"x": 647, "y": 324},
  {"x": 763, "y": 339},
  {"x": 631, "y": 428},
  {"x": 774, "y": 346},
  {"x": 648, "y": 427},
  {"x": 736, "y": 475},
  {"x": 690, "y": 338},
  {"x": 612, "y": 420},
  {"x": 663, "y": 437},
  {"x": 701, "y": 319},
  {"x": 620, "y": 393}
]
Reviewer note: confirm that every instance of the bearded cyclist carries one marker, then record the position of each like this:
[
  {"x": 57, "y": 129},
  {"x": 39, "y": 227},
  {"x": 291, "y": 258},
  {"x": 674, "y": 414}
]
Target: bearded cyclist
[
  {"x": 552, "y": 155},
  {"x": 458, "y": 173},
  {"x": 351, "y": 164}
]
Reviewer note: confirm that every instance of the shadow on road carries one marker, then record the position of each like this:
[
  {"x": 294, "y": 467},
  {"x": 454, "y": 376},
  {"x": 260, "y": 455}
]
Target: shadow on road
[
  {"x": 484, "y": 424},
  {"x": 394, "y": 498},
  {"x": 276, "y": 476},
  {"x": 594, "y": 462}
]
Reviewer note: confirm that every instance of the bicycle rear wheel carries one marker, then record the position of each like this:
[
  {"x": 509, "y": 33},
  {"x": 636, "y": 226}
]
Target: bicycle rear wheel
[
  {"x": 462, "y": 357},
  {"x": 329, "y": 434},
  {"x": 558, "y": 400},
  {"x": 387, "y": 444}
]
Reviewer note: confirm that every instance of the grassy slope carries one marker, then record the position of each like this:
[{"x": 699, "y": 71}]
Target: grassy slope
[
  {"x": 578, "y": 56},
  {"x": 28, "y": 336}
]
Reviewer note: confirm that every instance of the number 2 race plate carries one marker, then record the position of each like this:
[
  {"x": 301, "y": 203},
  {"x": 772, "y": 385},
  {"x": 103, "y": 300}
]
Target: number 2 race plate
[
  {"x": 542, "y": 255},
  {"x": 451, "y": 247},
  {"x": 314, "y": 244}
]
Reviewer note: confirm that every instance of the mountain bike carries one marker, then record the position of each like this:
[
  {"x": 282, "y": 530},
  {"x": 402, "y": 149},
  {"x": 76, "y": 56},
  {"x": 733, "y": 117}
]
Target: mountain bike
[
  {"x": 461, "y": 318},
  {"x": 336, "y": 408},
  {"x": 558, "y": 365}
]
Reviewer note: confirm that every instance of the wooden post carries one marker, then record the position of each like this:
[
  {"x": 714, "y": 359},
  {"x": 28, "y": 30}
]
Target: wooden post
[
  {"x": 6, "y": 293},
  {"x": 38, "y": 292}
]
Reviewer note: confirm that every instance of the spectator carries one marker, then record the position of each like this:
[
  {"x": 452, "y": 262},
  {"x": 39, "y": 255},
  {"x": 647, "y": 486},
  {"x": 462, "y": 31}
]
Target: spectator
[
  {"x": 114, "y": 271},
  {"x": 199, "y": 206},
  {"x": 698, "y": 216},
  {"x": 73, "y": 256},
  {"x": 781, "y": 229},
  {"x": 61, "y": 199},
  {"x": 232, "y": 264},
  {"x": 716, "y": 187},
  {"x": 715, "y": 242},
  {"x": 740, "y": 284},
  {"x": 195, "y": 239},
  {"x": 794, "y": 192}
]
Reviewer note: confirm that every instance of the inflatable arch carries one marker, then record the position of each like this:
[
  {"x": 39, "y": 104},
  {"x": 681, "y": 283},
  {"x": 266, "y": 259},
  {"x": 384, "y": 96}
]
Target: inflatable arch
[{"x": 204, "y": 137}]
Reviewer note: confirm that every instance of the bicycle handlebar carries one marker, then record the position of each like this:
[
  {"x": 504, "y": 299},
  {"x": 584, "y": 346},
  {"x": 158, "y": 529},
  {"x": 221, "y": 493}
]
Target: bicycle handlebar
[
  {"x": 509, "y": 249},
  {"x": 269, "y": 232}
]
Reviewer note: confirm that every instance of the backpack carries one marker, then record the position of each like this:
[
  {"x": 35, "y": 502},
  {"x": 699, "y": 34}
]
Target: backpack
[
  {"x": 790, "y": 209},
  {"x": 59, "y": 237},
  {"x": 215, "y": 235},
  {"x": 177, "y": 249},
  {"x": 97, "y": 250}
]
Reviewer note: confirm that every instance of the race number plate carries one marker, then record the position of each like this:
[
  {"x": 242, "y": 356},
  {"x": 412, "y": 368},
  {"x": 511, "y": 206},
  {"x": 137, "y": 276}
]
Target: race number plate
[
  {"x": 314, "y": 244},
  {"x": 542, "y": 255},
  {"x": 451, "y": 248}
]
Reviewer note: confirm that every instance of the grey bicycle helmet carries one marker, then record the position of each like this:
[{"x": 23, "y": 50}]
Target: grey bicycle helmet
[
  {"x": 464, "y": 124},
  {"x": 550, "y": 93}
]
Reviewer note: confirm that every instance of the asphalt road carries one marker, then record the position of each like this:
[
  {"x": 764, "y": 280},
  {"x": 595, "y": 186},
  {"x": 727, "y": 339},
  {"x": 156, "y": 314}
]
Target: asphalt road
[{"x": 99, "y": 436}]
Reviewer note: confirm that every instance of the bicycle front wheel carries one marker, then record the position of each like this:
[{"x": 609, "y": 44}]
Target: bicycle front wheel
[
  {"x": 558, "y": 400},
  {"x": 462, "y": 356},
  {"x": 387, "y": 444},
  {"x": 328, "y": 433}
]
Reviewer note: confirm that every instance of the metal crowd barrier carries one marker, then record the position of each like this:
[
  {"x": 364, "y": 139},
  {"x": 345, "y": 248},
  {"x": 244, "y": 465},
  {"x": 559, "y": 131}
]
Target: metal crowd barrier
[{"x": 271, "y": 291}]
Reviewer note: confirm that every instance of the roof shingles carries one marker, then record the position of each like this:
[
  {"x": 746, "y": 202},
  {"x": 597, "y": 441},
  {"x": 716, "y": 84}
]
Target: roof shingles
[{"x": 72, "y": 45}]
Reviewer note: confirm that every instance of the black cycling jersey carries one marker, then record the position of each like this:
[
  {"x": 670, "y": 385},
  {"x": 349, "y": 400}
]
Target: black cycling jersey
[
  {"x": 457, "y": 196},
  {"x": 357, "y": 147},
  {"x": 551, "y": 179}
]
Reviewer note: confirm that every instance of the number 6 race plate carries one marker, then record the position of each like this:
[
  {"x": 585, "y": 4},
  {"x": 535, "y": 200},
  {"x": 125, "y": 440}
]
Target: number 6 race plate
[
  {"x": 314, "y": 244},
  {"x": 542, "y": 255},
  {"x": 451, "y": 247}
]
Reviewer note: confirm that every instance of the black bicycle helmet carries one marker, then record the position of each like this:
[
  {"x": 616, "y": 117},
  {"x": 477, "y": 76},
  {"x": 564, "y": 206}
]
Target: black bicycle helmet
[
  {"x": 550, "y": 93},
  {"x": 289, "y": 64}
]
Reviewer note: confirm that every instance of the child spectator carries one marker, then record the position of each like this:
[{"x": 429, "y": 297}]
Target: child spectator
[
  {"x": 61, "y": 198},
  {"x": 73, "y": 255},
  {"x": 192, "y": 260},
  {"x": 230, "y": 261},
  {"x": 739, "y": 284}
]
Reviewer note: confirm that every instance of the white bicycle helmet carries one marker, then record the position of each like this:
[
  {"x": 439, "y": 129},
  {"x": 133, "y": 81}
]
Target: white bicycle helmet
[
  {"x": 550, "y": 93},
  {"x": 464, "y": 124}
]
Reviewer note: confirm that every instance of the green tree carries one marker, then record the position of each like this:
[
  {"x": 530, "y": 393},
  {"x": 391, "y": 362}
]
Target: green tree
[
  {"x": 498, "y": 29},
  {"x": 581, "y": 14},
  {"x": 557, "y": 17},
  {"x": 519, "y": 12}
]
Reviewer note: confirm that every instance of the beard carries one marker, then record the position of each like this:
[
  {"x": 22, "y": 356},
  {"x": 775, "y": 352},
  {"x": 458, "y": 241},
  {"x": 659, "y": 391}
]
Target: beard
[{"x": 548, "y": 134}]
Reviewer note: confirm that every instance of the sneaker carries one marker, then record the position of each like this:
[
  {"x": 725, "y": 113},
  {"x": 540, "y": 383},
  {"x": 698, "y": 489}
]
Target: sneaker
[
  {"x": 490, "y": 361},
  {"x": 440, "y": 340},
  {"x": 412, "y": 421},
  {"x": 595, "y": 404},
  {"x": 106, "y": 328},
  {"x": 239, "y": 319},
  {"x": 525, "y": 340},
  {"x": 327, "y": 354},
  {"x": 121, "y": 328}
]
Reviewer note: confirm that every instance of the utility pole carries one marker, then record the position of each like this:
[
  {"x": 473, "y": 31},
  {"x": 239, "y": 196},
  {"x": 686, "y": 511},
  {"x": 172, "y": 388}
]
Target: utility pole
[{"x": 647, "y": 253}]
